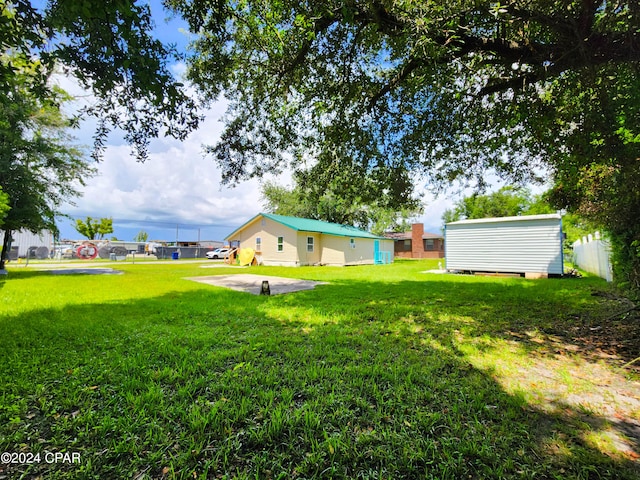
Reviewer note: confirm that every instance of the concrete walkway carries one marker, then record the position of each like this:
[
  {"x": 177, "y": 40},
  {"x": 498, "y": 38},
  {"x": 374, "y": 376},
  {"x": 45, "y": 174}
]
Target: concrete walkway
[
  {"x": 250, "y": 283},
  {"x": 86, "y": 271}
]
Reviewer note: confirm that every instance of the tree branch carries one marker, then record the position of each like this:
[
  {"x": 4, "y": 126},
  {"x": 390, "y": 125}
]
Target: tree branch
[
  {"x": 507, "y": 49},
  {"x": 551, "y": 61},
  {"x": 516, "y": 83},
  {"x": 321, "y": 24},
  {"x": 404, "y": 72},
  {"x": 587, "y": 16}
]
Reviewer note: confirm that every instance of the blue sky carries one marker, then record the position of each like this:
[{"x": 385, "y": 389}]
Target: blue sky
[{"x": 177, "y": 193}]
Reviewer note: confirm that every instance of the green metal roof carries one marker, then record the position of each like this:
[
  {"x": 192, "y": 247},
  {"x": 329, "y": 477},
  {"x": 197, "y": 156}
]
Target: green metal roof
[{"x": 316, "y": 226}]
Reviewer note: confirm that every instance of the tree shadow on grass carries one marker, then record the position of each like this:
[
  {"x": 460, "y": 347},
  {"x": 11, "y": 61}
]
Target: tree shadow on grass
[
  {"x": 546, "y": 315},
  {"x": 15, "y": 275},
  {"x": 540, "y": 319},
  {"x": 354, "y": 379}
]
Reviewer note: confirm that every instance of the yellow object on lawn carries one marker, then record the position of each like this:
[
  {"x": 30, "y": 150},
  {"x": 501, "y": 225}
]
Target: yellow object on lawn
[{"x": 246, "y": 256}]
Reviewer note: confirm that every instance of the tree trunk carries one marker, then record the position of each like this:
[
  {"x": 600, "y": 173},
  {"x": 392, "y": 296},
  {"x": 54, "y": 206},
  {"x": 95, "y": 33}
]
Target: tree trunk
[{"x": 6, "y": 245}]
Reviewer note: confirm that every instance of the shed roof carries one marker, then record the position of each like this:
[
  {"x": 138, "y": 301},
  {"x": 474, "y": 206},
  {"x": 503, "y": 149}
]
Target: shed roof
[
  {"x": 519, "y": 218},
  {"x": 310, "y": 225}
]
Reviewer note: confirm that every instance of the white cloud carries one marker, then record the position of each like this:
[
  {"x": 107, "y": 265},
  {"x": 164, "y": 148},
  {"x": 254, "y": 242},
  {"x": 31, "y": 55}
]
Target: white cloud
[
  {"x": 176, "y": 184},
  {"x": 432, "y": 217}
]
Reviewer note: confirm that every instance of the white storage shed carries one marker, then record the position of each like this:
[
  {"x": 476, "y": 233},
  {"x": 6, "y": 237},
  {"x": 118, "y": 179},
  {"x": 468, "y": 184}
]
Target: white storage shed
[{"x": 528, "y": 244}]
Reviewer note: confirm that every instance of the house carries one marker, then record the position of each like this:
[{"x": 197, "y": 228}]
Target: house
[
  {"x": 292, "y": 241},
  {"x": 417, "y": 243},
  {"x": 527, "y": 244}
]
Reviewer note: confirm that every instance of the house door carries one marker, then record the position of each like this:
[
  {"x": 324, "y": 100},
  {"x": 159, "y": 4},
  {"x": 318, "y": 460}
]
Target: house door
[{"x": 376, "y": 251}]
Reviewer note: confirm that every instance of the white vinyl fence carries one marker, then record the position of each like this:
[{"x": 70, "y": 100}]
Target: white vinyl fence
[{"x": 593, "y": 254}]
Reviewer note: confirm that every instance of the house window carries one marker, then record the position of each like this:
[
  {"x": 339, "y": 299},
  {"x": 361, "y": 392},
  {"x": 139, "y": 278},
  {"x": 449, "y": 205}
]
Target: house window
[
  {"x": 352, "y": 242},
  {"x": 310, "y": 241},
  {"x": 429, "y": 245},
  {"x": 258, "y": 244},
  {"x": 280, "y": 244},
  {"x": 402, "y": 245}
]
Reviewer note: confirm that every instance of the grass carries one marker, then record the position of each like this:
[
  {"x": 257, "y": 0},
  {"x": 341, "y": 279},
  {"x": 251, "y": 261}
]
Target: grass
[{"x": 385, "y": 372}]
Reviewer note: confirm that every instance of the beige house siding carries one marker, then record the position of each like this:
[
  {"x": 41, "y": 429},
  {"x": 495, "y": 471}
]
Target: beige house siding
[
  {"x": 305, "y": 257},
  {"x": 361, "y": 254},
  {"x": 269, "y": 231},
  {"x": 338, "y": 251},
  {"x": 387, "y": 246},
  {"x": 333, "y": 250}
]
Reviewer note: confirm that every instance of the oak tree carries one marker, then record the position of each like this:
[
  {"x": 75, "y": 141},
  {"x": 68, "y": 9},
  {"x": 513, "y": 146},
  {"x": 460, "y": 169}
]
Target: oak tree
[
  {"x": 345, "y": 199},
  {"x": 506, "y": 202},
  {"x": 40, "y": 167},
  {"x": 94, "y": 229},
  {"x": 110, "y": 48},
  {"x": 4, "y": 206},
  {"x": 449, "y": 90}
]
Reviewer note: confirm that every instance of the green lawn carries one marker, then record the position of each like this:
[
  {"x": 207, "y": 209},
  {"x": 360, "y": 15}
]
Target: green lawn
[{"x": 385, "y": 372}]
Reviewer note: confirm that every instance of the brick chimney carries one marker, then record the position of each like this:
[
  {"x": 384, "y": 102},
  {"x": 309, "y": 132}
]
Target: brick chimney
[{"x": 417, "y": 247}]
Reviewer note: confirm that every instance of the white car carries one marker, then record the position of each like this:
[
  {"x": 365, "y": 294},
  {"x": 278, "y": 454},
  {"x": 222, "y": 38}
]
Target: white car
[{"x": 217, "y": 253}]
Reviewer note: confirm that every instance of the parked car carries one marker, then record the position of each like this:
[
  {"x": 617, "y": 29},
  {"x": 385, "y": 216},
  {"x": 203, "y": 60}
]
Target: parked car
[{"x": 217, "y": 253}]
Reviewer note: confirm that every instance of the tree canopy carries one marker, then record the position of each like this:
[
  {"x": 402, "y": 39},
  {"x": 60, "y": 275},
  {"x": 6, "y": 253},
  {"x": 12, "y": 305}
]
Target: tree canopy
[
  {"x": 109, "y": 47},
  {"x": 4, "y": 206},
  {"x": 506, "y": 202},
  {"x": 40, "y": 167},
  {"x": 94, "y": 229},
  {"x": 452, "y": 88},
  {"x": 141, "y": 236},
  {"x": 346, "y": 194}
]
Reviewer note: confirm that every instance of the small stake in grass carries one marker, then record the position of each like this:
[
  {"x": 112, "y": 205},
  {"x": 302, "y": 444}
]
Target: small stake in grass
[{"x": 265, "y": 290}]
